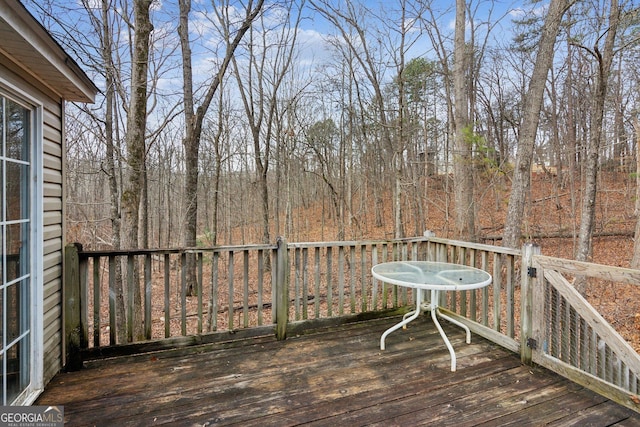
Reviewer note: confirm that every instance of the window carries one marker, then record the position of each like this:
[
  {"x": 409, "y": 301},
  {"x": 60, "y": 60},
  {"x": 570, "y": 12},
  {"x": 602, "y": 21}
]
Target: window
[{"x": 16, "y": 239}]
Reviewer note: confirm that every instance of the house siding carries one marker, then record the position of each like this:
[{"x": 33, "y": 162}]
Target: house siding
[{"x": 53, "y": 238}]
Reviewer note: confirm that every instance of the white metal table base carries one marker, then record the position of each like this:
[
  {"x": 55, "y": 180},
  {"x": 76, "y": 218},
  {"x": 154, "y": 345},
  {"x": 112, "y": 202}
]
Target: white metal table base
[{"x": 435, "y": 313}]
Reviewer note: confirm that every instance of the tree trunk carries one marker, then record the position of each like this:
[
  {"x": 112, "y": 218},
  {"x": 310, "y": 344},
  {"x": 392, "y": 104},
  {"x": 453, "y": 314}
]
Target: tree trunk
[
  {"x": 193, "y": 124},
  {"x": 135, "y": 139},
  {"x": 604, "y": 62},
  {"x": 462, "y": 161},
  {"x": 529, "y": 126},
  {"x": 117, "y": 292},
  {"x": 635, "y": 261}
]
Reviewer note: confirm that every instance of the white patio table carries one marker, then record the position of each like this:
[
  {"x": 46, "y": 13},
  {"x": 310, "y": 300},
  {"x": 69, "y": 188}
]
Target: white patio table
[{"x": 436, "y": 277}]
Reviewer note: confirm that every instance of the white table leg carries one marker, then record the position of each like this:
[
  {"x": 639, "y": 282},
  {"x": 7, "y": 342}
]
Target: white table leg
[
  {"x": 413, "y": 315},
  {"x": 434, "y": 315},
  {"x": 420, "y": 303},
  {"x": 457, "y": 323}
]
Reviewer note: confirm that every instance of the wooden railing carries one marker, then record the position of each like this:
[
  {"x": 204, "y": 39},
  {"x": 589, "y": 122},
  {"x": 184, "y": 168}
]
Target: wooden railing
[
  {"x": 232, "y": 282},
  {"x": 286, "y": 287},
  {"x": 567, "y": 335},
  {"x": 241, "y": 287}
]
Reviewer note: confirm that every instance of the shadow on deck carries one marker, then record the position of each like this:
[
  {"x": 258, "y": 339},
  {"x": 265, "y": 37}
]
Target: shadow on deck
[{"x": 335, "y": 376}]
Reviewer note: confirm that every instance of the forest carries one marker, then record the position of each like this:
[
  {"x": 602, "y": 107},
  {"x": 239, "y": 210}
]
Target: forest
[{"x": 236, "y": 121}]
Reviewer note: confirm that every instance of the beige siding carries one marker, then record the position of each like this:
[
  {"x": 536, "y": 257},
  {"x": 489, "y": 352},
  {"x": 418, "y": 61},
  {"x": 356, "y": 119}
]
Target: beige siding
[
  {"x": 49, "y": 135},
  {"x": 53, "y": 238},
  {"x": 53, "y": 336},
  {"x": 52, "y": 176},
  {"x": 51, "y": 232},
  {"x": 52, "y": 204},
  {"x": 52, "y": 189},
  {"x": 52, "y": 218},
  {"x": 50, "y": 276},
  {"x": 52, "y": 163}
]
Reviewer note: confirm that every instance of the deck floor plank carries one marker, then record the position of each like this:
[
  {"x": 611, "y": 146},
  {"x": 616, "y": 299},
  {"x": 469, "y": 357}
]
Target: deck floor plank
[{"x": 337, "y": 376}]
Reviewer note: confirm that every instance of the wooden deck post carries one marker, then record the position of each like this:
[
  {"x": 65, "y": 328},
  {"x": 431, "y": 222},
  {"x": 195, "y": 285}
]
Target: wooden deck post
[
  {"x": 526, "y": 298},
  {"x": 282, "y": 288},
  {"x": 72, "y": 294}
]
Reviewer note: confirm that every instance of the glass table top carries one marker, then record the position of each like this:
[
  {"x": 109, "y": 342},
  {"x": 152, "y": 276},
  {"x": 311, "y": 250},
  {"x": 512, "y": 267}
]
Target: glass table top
[{"x": 431, "y": 275}]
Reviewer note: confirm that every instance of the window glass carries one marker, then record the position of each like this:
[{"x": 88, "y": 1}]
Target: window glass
[
  {"x": 17, "y": 131},
  {"x": 17, "y": 251},
  {"x": 17, "y": 374},
  {"x": 17, "y": 191}
]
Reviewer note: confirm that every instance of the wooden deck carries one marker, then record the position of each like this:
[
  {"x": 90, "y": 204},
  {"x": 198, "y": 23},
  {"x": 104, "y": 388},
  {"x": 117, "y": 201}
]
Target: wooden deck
[{"x": 333, "y": 377}]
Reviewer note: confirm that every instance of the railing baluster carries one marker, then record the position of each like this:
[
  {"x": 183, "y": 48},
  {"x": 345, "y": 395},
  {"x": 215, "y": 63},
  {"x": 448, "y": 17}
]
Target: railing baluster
[
  {"x": 130, "y": 297},
  {"x": 385, "y": 287},
  {"x": 305, "y": 284},
  {"x": 473, "y": 303},
  {"x": 213, "y": 304},
  {"x": 167, "y": 295},
  {"x": 341, "y": 282},
  {"x": 200, "y": 261},
  {"x": 113, "y": 328},
  {"x": 374, "y": 282},
  {"x": 329, "y": 282},
  {"x": 183, "y": 294},
  {"x": 497, "y": 282},
  {"x": 97, "y": 290},
  {"x": 510, "y": 266},
  {"x": 231, "y": 290},
  {"x": 363, "y": 276},
  {"x": 352, "y": 278},
  {"x": 296, "y": 282},
  {"x": 316, "y": 274},
  {"x": 260, "y": 286},
  {"x": 245, "y": 299},
  {"x": 485, "y": 291},
  {"x": 148, "y": 284},
  {"x": 274, "y": 280}
]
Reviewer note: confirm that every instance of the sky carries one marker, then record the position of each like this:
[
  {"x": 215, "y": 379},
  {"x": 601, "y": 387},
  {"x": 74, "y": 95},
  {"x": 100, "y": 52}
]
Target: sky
[
  {"x": 315, "y": 51},
  {"x": 499, "y": 12},
  {"x": 315, "y": 30}
]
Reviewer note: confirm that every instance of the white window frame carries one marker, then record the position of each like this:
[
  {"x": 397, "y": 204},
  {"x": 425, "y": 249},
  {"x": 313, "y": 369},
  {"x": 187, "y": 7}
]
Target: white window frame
[{"x": 36, "y": 362}]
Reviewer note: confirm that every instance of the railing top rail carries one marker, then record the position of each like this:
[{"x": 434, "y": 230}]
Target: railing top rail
[
  {"x": 297, "y": 245},
  {"x": 162, "y": 251},
  {"x": 476, "y": 246},
  {"x": 606, "y": 272},
  {"x": 355, "y": 242}
]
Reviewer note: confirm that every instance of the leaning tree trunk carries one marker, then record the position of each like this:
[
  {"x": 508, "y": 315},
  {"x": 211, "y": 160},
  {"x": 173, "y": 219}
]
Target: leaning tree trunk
[
  {"x": 529, "y": 126},
  {"x": 604, "y": 61},
  {"x": 194, "y": 119}
]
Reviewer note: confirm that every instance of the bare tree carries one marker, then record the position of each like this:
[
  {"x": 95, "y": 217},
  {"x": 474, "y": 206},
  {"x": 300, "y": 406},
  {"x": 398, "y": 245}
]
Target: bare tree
[
  {"x": 135, "y": 140},
  {"x": 351, "y": 18},
  {"x": 110, "y": 163},
  {"x": 270, "y": 54},
  {"x": 194, "y": 117},
  {"x": 529, "y": 124},
  {"x": 604, "y": 59},
  {"x": 462, "y": 161}
]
